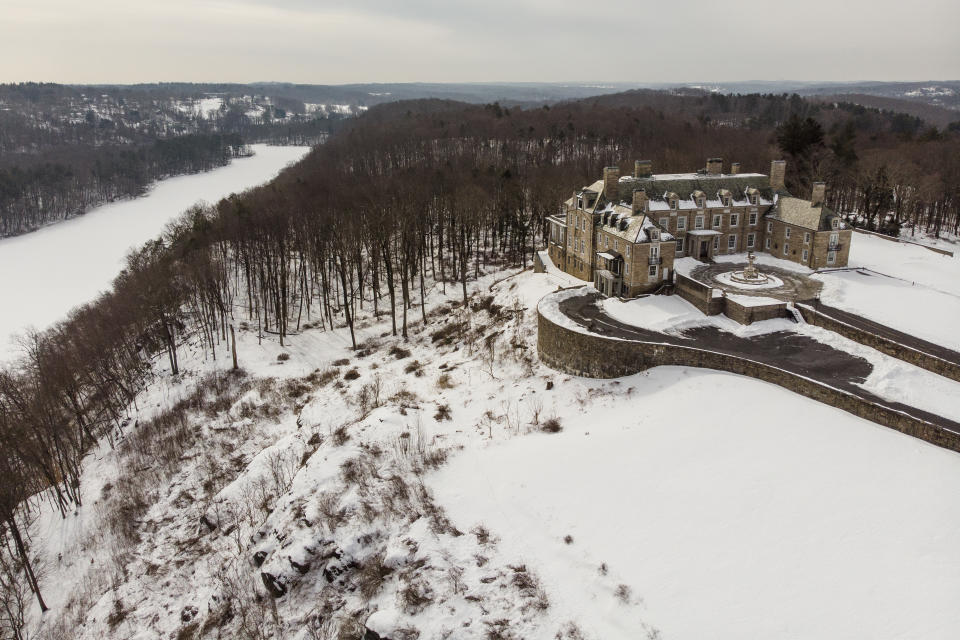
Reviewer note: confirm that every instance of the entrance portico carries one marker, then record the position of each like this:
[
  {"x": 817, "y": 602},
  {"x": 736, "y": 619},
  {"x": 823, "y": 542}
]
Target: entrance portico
[{"x": 700, "y": 244}]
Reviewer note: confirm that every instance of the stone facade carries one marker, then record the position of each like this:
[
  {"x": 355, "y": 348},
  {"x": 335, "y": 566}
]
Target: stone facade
[{"x": 624, "y": 232}]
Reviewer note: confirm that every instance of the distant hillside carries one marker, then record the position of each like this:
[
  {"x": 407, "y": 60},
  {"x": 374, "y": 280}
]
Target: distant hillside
[{"x": 938, "y": 116}]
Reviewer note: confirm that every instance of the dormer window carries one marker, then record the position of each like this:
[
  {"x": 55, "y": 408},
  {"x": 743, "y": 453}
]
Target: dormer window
[
  {"x": 834, "y": 224},
  {"x": 579, "y": 202},
  {"x": 674, "y": 204},
  {"x": 654, "y": 235},
  {"x": 726, "y": 201},
  {"x": 753, "y": 199},
  {"x": 700, "y": 202}
]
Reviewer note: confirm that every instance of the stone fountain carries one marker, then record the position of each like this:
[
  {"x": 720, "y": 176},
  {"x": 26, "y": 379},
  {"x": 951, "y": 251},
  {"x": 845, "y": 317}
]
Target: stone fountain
[{"x": 750, "y": 275}]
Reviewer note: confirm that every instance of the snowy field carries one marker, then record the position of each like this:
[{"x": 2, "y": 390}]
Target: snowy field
[
  {"x": 922, "y": 298},
  {"x": 789, "y": 519},
  {"x": 48, "y": 272}
]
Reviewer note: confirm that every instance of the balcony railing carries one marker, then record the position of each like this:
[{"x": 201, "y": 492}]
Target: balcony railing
[
  {"x": 654, "y": 260},
  {"x": 835, "y": 246}
]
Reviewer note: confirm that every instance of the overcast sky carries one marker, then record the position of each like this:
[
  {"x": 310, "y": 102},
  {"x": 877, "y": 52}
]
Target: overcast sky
[{"x": 327, "y": 42}]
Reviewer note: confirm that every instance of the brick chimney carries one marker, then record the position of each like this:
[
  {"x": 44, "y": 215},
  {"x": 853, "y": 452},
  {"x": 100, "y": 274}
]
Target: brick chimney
[
  {"x": 611, "y": 183},
  {"x": 819, "y": 194},
  {"x": 639, "y": 201},
  {"x": 734, "y": 168},
  {"x": 714, "y": 166},
  {"x": 642, "y": 168},
  {"x": 778, "y": 174}
]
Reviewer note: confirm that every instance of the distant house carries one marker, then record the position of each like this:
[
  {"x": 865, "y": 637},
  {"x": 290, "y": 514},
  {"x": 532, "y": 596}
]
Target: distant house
[{"x": 623, "y": 232}]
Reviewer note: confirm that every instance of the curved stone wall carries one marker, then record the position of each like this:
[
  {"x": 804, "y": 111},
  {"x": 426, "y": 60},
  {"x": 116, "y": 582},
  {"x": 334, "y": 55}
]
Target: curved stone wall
[{"x": 585, "y": 354}]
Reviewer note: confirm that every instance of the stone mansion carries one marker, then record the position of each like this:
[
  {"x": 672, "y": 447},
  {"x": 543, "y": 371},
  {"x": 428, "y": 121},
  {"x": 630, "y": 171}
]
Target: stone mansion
[{"x": 623, "y": 233}]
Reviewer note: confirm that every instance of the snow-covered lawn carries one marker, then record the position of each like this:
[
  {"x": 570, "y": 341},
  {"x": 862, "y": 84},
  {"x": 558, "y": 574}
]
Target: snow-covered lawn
[
  {"x": 912, "y": 308},
  {"x": 912, "y": 263},
  {"x": 921, "y": 298},
  {"x": 729, "y": 508},
  {"x": 48, "y": 272}
]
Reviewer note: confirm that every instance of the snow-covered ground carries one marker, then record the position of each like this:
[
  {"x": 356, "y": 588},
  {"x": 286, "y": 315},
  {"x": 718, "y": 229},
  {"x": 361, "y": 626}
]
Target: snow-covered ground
[
  {"x": 698, "y": 504},
  {"x": 946, "y": 240},
  {"x": 48, "y": 272},
  {"x": 912, "y": 263},
  {"x": 922, "y": 298},
  {"x": 728, "y": 507}
]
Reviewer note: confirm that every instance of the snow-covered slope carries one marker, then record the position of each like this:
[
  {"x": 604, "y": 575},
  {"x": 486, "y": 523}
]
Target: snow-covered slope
[{"x": 421, "y": 489}]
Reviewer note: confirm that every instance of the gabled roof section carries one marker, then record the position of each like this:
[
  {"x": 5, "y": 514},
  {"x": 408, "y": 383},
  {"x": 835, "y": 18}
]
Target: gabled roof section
[{"x": 802, "y": 213}]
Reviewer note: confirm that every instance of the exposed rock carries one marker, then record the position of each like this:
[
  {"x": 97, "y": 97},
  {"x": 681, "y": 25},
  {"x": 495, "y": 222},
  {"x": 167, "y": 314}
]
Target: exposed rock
[{"x": 276, "y": 588}]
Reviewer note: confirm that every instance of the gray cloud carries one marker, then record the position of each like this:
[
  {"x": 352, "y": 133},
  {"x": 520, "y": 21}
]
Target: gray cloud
[{"x": 497, "y": 40}]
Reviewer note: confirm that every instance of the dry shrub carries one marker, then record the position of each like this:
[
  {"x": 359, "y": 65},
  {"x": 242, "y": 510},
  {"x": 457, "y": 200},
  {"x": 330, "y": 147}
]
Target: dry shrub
[
  {"x": 415, "y": 596},
  {"x": 399, "y": 352},
  {"x": 415, "y": 367},
  {"x": 340, "y": 435},
  {"x": 443, "y": 413},
  {"x": 342, "y": 362},
  {"x": 444, "y": 381},
  {"x": 372, "y": 574},
  {"x": 352, "y": 374},
  {"x": 551, "y": 425},
  {"x": 283, "y": 357}
]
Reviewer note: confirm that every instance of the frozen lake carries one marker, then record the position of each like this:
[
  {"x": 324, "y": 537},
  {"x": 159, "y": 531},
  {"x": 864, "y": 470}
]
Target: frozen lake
[{"x": 46, "y": 273}]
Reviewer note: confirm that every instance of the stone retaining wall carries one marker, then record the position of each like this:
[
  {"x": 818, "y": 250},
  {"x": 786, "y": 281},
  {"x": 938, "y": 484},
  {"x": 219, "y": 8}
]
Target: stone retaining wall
[
  {"x": 748, "y": 315},
  {"x": 923, "y": 360},
  {"x": 699, "y": 295},
  {"x": 595, "y": 356}
]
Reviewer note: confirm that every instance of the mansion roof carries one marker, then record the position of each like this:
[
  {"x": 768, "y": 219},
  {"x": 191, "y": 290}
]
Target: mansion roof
[
  {"x": 802, "y": 213},
  {"x": 685, "y": 184}
]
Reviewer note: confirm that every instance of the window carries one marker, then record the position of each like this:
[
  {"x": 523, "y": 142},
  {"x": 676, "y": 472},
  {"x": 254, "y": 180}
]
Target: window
[
  {"x": 653, "y": 271},
  {"x": 831, "y": 257},
  {"x": 834, "y": 241},
  {"x": 606, "y": 241},
  {"x": 654, "y": 251},
  {"x": 786, "y": 232},
  {"x": 673, "y": 204},
  {"x": 734, "y": 219},
  {"x": 805, "y": 255},
  {"x": 753, "y": 219},
  {"x": 731, "y": 242},
  {"x": 654, "y": 234},
  {"x": 726, "y": 201},
  {"x": 665, "y": 223},
  {"x": 834, "y": 224},
  {"x": 579, "y": 202},
  {"x": 767, "y": 244},
  {"x": 769, "y": 227},
  {"x": 628, "y": 250},
  {"x": 716, "y": 221},
  {"x": 716, "y": 242},
  {"x": 750, "y": 240},
  {"x": 698, "y": 223},
  {"x": 682, "y": 223},
  {"x": 806, "y": 237},
  {"x": 700, "y": 203},
  {"x": 753, "y": 199},
  {"x": 616, "y": 244},
  {"x": 679, "y": 245},
  {"x": 786, "y": 248}
]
